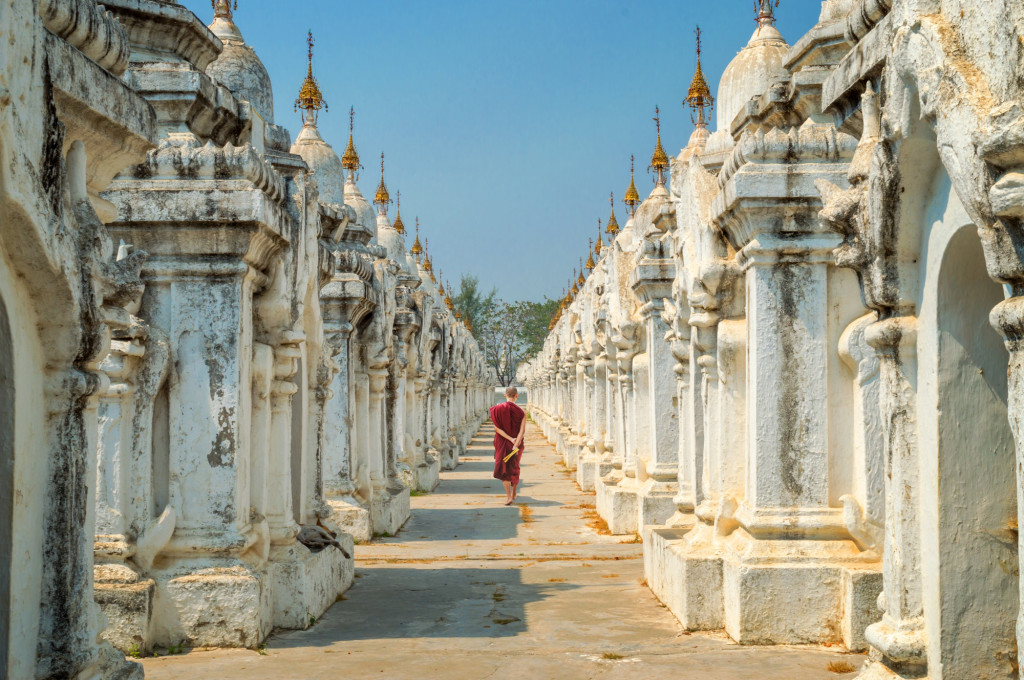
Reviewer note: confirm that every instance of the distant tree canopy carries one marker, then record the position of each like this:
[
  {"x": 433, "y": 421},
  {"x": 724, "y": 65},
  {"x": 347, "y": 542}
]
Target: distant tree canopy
[{"x": 508, "y": 332}]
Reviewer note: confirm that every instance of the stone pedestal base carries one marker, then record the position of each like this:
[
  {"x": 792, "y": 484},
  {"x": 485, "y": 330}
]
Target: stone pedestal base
[
  {"x": 127, "y": 601},
  {"x": 351, "y": 517},
  {"x": 688, "y": 570},
  {"x": 589, "y": 471},
  {"x": 304, "y": 584},
  {"x": 656, "y": 502},
  {"x": 212, "y": 603},
  {"x": 792, "y": 591},
  {"x": 449, "y": 457},
  {"x": 860, "y": 605},
  {"x": 571, "y": 456},
  {"x": 617, "y": 503},
  {"x": 428, "y": 474},
  {"x": 112, "y": 665},
  {"x": 389, "y": 511}
]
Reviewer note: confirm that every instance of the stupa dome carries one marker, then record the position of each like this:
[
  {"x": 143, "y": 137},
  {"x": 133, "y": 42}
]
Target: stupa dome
[
  {"x": 238, "y": 68},
  {"x": 750, "y": 72}
]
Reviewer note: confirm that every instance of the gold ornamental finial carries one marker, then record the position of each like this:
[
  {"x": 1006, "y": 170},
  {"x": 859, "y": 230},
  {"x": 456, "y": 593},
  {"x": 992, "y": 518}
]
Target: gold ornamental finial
[
  {"x": 613, "y": 224},
  {"x": 458, "y": 315},
  {"x": 600, "y": 242},
  {"x": 632, "y": 199},
  {"x": 440, "y": 284},
  {"x": 310, "y": 99},
  {"x": 575, "y": 284},
  {"x": 222, "y": 8},
  {"x": 417, "y": 249},
  {"x": 350, "y": 159},
  {"x": 399, "y": 225},
  {"x": 659, "y": 159},
  {"x": 590, "y": 258},
  {"x": 699, "y": 97},
  {"x": 581, "y": 279},
  {"x": 448, "y": 298},
  {"x": 428, "y": 265},
  {"x": 382, "y": 198}
]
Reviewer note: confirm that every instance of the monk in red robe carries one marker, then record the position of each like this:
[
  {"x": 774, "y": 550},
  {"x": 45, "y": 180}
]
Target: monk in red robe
[{"x": 508, "y": 419}]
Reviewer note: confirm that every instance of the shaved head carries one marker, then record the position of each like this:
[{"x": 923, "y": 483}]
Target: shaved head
[{"x": 511, "y": 392}]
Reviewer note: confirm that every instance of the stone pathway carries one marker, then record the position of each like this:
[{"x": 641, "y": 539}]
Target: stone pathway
[{"x": 471, "y": 589}]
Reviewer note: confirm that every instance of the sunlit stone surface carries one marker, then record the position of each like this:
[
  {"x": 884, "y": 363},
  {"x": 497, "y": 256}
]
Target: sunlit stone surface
[
  {"x": 251, "y": 361},
  {"x": 825, "y": 276}
]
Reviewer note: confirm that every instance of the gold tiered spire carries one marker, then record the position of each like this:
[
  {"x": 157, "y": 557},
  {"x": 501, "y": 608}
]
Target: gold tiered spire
[
  {"x": 659, "y": 159},
  {"x": 699, "y": 97},
  {"x": 428, "y": 266},
  {"x": 581, "y": 279},
  {"x": 310, "y": 100},
  {"x": 350, "y": 159},
  {"x": 399, "y": 225},
  {"x": 417, "y": 249},
  {"x": 613, "y": 224},
  {"x": 382, "y": 197},
  {"x": 575, "y": 285},
  {"x": 600, "y": 243},
  {"x": 440, "y": 284},
  {"x": 590, "y": 257},
  {"x": 632, "y": 199}
]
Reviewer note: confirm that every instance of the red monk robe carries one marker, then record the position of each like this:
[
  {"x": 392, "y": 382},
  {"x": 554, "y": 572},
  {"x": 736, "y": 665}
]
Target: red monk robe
[{"x": 508, "y": 417}]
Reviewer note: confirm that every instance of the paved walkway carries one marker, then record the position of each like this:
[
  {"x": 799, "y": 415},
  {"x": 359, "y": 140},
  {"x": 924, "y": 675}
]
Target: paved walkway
[{"x": 471, "y": 589}]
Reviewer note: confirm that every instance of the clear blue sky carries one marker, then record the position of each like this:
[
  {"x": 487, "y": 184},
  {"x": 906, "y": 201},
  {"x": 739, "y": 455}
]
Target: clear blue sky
[{"x": 505, "y": 124}]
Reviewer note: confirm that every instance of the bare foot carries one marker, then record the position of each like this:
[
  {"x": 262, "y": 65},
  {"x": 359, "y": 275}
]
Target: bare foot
[{"x": 509, "y": 501}]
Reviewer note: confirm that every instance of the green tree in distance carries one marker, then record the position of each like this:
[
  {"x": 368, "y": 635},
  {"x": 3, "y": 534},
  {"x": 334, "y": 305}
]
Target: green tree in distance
[{"x": 508, "y": 332}]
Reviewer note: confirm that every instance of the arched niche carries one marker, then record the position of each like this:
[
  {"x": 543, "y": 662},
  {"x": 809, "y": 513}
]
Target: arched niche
[{"x": 967, "y": 456}]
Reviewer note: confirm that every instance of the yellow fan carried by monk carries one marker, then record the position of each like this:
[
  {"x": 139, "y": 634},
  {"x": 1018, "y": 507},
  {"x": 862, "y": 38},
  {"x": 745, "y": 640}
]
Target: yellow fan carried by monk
[{"x": 512, "y": 453}]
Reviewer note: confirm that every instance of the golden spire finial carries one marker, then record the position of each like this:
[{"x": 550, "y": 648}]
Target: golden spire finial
[
  {"x": 350, "y": 159},
  {"x": 590, "y": 258},
  {"x": 580, "y": 279},
  {"x": 600, "y": 242},
  {"x": 222, "y": 8},
  {"x": 613, "y": 224},
  {"x": 382, "y": 197},
  {"x": 417, "y": 249},
  {"x": 699, "y": 97},
  {"x": 440, "y": 283},
  {"x": 632, "y": 199},
  {"x": 428, "y": 265},
  {"x": 575, "y": 284},
  {"x": 659, "y": 159},
  {"x": 399, "y": 225},
  {"x": 448, "y": 297},
  {"x": 310, "y": 99}
]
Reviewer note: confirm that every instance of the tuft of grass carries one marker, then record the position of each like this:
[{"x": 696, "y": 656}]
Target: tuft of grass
[
  {"x": 504, "y": 620},
  {"x": 261, "y": 650},
  {"x": 498, "y": 597},
  {"x": 840, "y": 667},
  {"x": 176, "y": 649},
  {"x": 134, "y": 651},
  {"x": 416, "y": 492},
  {"x": 612, "y": 656},
  {"x": 312, "y": 620},
  {"x": 642, "y": 581}
]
